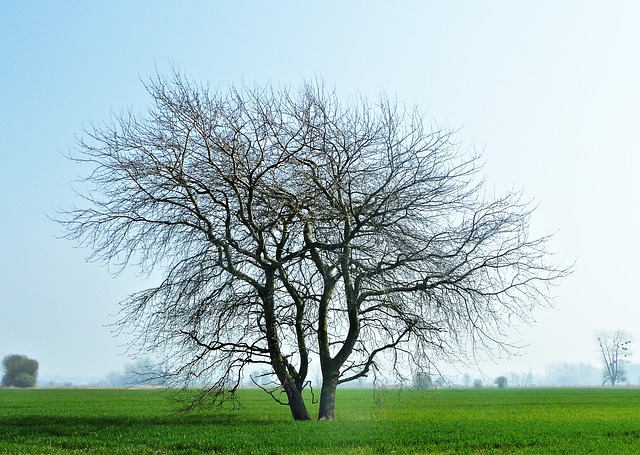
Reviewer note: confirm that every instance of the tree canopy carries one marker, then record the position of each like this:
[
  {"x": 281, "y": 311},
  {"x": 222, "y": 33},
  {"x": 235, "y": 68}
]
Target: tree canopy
[{"x": 294, "y": 226}]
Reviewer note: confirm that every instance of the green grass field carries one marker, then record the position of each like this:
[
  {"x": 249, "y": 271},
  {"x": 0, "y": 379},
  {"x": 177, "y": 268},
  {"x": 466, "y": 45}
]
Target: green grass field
[{"x": 485, "y": 421}]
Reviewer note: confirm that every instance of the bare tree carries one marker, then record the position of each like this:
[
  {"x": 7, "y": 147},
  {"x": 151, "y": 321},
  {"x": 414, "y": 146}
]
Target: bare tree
[
  {"x": 614, "y": 348},
  {"x": 290, "y": 225}
]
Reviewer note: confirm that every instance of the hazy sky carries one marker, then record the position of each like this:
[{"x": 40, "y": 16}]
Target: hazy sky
[{"x": 548, "y": 90}]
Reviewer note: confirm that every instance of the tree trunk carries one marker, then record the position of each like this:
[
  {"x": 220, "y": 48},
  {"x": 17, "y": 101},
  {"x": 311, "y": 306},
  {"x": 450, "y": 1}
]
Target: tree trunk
[
  {"x": 327, "y": 409},
  {"x": 296, "y": 403}
]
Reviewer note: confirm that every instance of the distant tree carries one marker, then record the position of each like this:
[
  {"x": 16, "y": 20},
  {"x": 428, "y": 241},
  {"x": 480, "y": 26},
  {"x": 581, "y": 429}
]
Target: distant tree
[
  {"x": 115, "y": 379},
  {"x": 422, "y": 380},
  {"x": 515, "y": 379},
  {"x": 19, "y": 371},
  {"x": 572, "y": 374},
  {"x": 142, "y": 372},
  {"x": 633, "y": 373},
  {"x": 290, "y": 225},
  {"x": 440, "y": 381},
  {"x": 614, "y": 348},
  {"x": 501, "y": 382},
  {"x": 477, "y": 383},
  {"x": 466, "y": 379}
]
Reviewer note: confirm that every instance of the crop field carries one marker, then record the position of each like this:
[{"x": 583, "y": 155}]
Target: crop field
[{"x": 446, "y": 421}]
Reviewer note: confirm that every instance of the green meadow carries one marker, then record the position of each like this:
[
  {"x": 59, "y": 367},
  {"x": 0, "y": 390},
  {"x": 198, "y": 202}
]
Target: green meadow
[{"x": 445, "y": 421}]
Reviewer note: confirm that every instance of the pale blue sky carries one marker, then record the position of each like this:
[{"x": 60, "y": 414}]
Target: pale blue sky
[{"x": 548, "y": 89}]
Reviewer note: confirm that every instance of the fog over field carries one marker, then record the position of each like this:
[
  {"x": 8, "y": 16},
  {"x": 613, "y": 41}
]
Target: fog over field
[{"x": 547, "y": 92}]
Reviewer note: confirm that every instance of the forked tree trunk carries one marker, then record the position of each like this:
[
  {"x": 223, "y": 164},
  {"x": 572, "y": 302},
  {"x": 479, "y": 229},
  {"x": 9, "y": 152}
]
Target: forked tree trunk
[
  {"x": 296, "y": 403},
  {"x": 327, "y": 409},
  {"x": 278, "y": 362}
]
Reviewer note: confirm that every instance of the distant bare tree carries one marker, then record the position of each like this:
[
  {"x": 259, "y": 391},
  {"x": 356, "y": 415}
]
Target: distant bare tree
[
  {"x": 289, "y": 225},
  {"x": 572, "y": 374},
  {"x": 422, "y": 380},
  {"x": 614, "y": 348}
]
